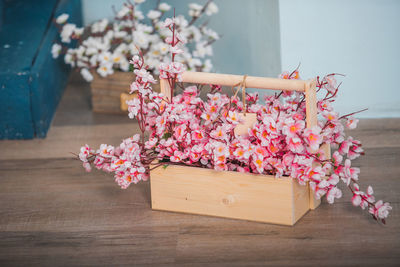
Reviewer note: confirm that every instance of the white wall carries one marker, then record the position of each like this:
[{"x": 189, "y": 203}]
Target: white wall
[{"x": 359, "y": 38}]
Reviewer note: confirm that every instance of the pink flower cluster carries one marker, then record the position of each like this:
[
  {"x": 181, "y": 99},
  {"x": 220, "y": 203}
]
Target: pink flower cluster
[{"x": 195, "y": 132}]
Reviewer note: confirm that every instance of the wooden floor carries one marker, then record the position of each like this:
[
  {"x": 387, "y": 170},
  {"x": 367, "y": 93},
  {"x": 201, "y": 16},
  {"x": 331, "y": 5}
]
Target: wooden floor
[{"x": 53, "y": 213}]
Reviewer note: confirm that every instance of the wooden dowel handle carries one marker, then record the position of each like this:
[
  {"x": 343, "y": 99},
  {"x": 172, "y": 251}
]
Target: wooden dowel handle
[
  {"x": 312, "y": 120},
  {"x": 251, "y": 82},
  {"x": 165, "y": 88},
  {"x": 311, "y": 103}
]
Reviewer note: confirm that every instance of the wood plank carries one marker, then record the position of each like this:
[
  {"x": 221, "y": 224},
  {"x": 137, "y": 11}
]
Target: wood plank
[
  {"x": 374, "y": 133},
  {"x": 248, "y": 122},
  {"x": 228, "y": 194},
  {"x": 106, "y": 91},
  {"x": 61, "y": 141},
  {"x": 83, "y": 218}
]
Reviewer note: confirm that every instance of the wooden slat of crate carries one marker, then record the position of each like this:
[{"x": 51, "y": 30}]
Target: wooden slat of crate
[
  {"x": 228, "y": 194},
  {"x": 106, "y": 91}
]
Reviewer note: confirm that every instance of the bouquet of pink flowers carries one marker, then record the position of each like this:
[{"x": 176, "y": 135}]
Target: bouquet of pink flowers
[{"x": 191, "y": 131}]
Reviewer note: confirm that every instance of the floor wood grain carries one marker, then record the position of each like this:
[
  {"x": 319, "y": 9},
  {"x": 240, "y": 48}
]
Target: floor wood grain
[{"x": 53, "y": 213}]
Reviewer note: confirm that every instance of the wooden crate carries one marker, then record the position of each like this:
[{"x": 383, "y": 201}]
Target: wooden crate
[
  {"x": 110, "y": 93},
  {"x": 236, "y": 195},
  {"x": 228, "y": 194}
]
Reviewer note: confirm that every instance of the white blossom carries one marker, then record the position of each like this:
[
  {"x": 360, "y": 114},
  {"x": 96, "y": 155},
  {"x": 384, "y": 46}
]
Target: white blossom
[
  {"x": 69, "y": 59},
  {"x": 122, "y": 48},
  {"x": 211, "y": 9},
  {"x": 78, "y": 31},
  {"x": 55, "y": 50},
  {"x": 66, "y": 32},
  {"x": 194, "y": 31},
  {"x": 153, "y": 14},
  {"x": 86, "y": 75},
  {"x": 133, "y": 49},
  {"x": 120, "y": 34},
  {"x": 211, "y": 33},
  {"x": 105, "y": 57},
  {"x": 207, "y": 67},
  {"x": 124, "y": 64},
  {"x": 91, "y": 51},
  {"x": 141, "y": 39},
  {"x": 202, "y": 50},
  {"x": 117, "y": 58},
  {"x": 164, "y": 7},
  {"x": 195, "y": 9},
  {"x": 123, "y": 12},
  {"x": 163, "y": 48},
  {"x": 181, "y": 21},
  {"x": 82, "y": 63},
  {"x": 105, "y": 69},
  {"x": 94, "y": 60},
  {"x": 139, "y": 15},
  {"x": 99, "y": 26},
  {"x": 62, "y": 18},
  {"x": 194, "y": 62}
]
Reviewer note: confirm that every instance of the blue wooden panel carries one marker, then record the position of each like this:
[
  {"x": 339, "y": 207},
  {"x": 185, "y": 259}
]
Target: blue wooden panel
[
  {"x": 31, "y": 82},
  {"x": 1, "y": 13},
  {"x": 15, "y": 106},
  {"x": 50, "y": 76},
  {"x": 24, "y": 26}
]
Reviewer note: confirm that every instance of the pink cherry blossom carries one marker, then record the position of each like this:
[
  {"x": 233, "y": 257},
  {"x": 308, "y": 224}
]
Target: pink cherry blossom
[
  {"x": 337, "y": 158},
  {"x": 178, "y": 156},
  {"x": 295, "y": 144},
  {"x": 106, "y": 150},
  {"x": 259, "y": 164},
  {"x": 220, "y": 133},
  {"x": 344, "y": 147},
  {"x": 349, "y": 173},
  {"x": 330, "y": 115},
  {"x": 292, "y": 127},
  {"x": 144, "y": 75},
  {"x": 85, "y": 153},
  {"x": 313, "y": 137},
  {"x": 330, "y": 83},
  {"x": 333, "y": 193},
  {"x": 233, "y": 117},
  {"x": 381, "y": 210},
  {"x": 351, "y": 123},
  {"x": 87, "y": 166}
]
